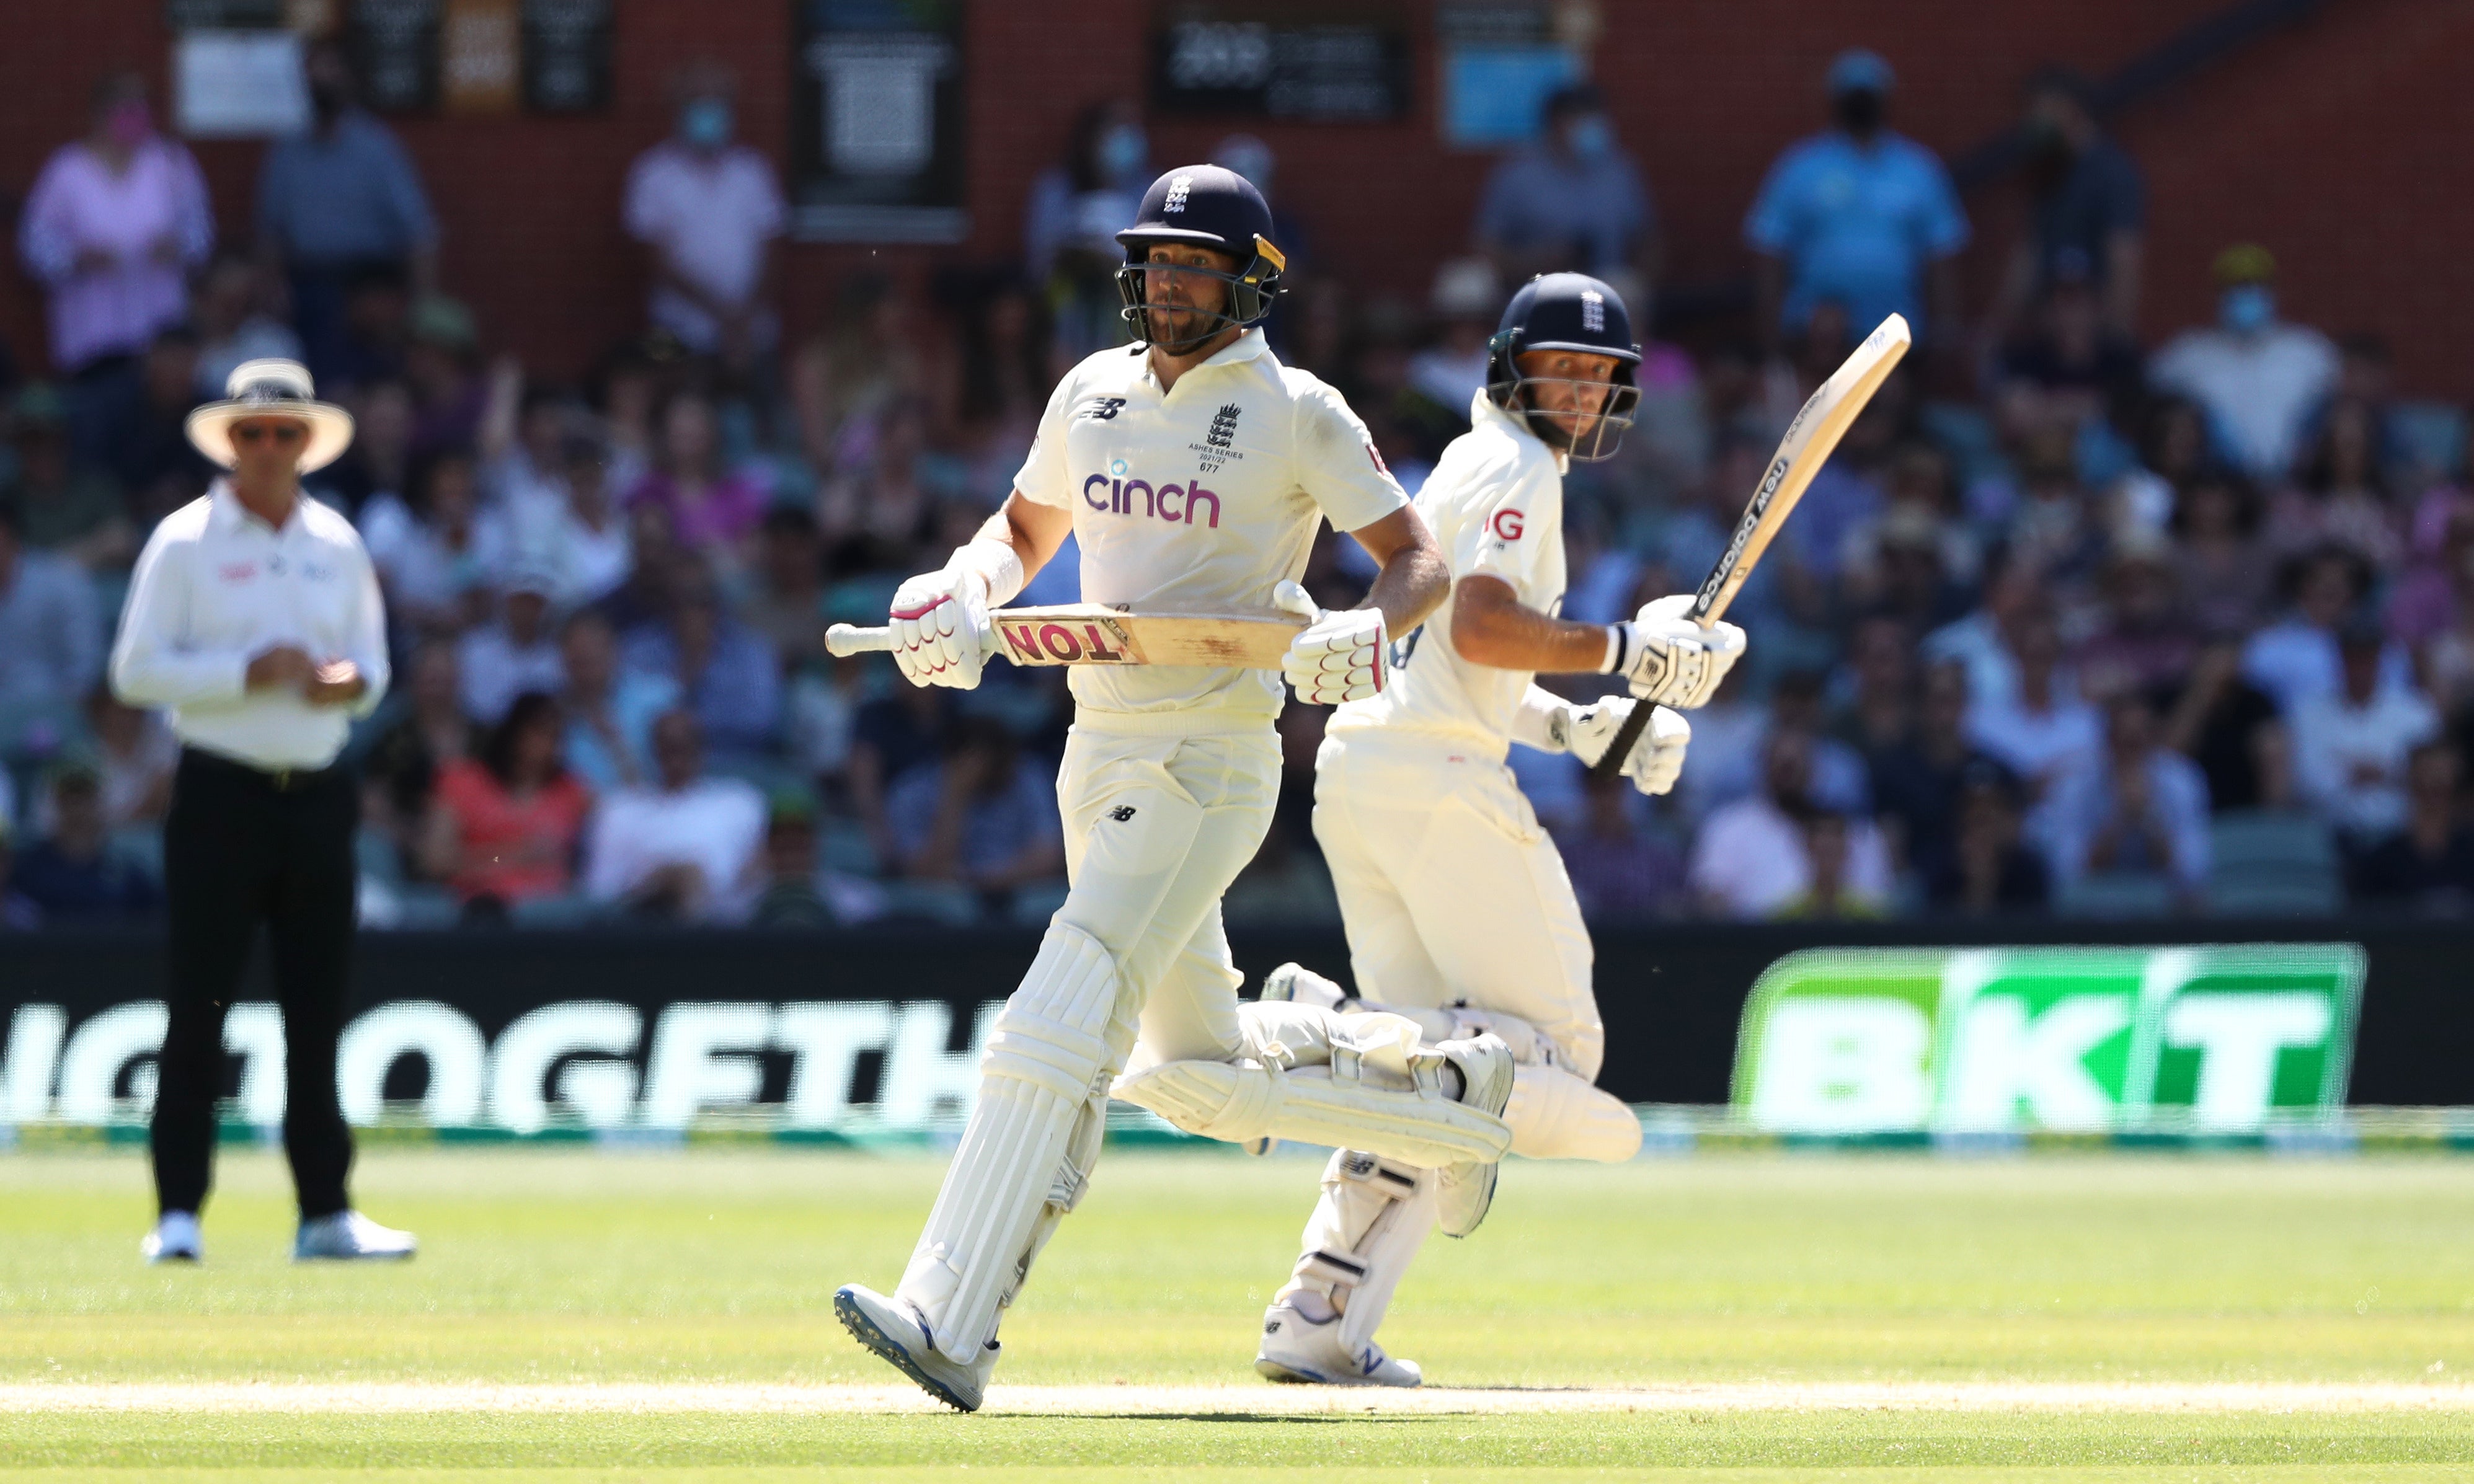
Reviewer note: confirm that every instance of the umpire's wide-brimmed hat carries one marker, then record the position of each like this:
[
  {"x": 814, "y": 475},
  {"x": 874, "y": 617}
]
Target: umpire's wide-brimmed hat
[{"x": 272, "y": 388}]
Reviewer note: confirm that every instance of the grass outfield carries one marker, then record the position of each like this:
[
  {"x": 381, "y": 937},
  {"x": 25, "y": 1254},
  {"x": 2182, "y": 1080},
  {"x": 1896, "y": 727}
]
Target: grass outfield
[{"x": 1760, "y": 1279}]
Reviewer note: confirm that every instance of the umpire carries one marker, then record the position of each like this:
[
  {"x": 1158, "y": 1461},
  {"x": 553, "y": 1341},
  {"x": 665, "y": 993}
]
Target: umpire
[{"x": 254, "y": 617}]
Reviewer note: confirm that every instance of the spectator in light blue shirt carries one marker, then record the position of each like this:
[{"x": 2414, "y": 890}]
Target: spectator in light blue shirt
[
  {"x": 338, "y": 202},
  {"x": 1859, "y": 216},
  {"x": 1572, "y": 201}
]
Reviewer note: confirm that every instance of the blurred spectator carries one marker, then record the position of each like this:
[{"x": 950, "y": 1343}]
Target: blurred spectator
[
  {"x": 51, "y": 637},
  {"x": 979, "y": 817},
  {"x": 515, "y": 653},
  {"x": 379, "y": 463},
  {"x": 135, "y": 755},
  {"x": 713, "y": 509},
  {"x": 1749, "y": 859},
  {"x": 442, "y": 364},
  {"x": 65, "y": 508},
  {"x": 726, "y": 672},
  {"x": 1250, "y": 157},
  {"x": 2079, "y": 367},
  {"x": 2427, "y": 862},
  {"x": 1983, "y": 867},
  {"x": 899, "y": 729},
  {"x": 1077, "y": 208},
  {"x": 426, "y": 547},
  {"x": 73, "y": 875},
  {"x": 2090, "y": 216},
  {"x": 2295, "y": 660},
  {"x": 788, "y": 607},
  {"x": 2220, "y": 721},
  {"x": 524, "y": 428},
  {"x": 2043, "y": 730},
  {"x": 419, "y": 737},
  {"x": 18, "y": 912},
  {"x": 1859, "y": 216},
  {"x": 234, "y": 324},
  {"x": 791, "y": 897},
  {"x": 709, "y": 213},
  {"x": 2129, "y": 809},
  {"x": 1982, "y": 640},
  {"x": 505, "y": 823},
  {"x": 2144, "y": 640},
  {"x": 583, "y": 540},
  {"x": 1834, "y": 890},
  {"x": 111, "y": 226},
  {"x": 336, "y": 202},
  {"x": 2258, "y": 378},
  {"x": 1574, "y": 201},
  {"x": 1916, "y": 782},
  {"x": 1618, "y": 870},
  {"x": 2338, "y": 499},
  {"x": 2350, "y": 746},
  {"x": 1466, "y": 300},
  {"x": 2225, "y": 566},
  {"x": 683, "y": 847},
  {"x": 610, "y": 710},
  {"x": 148, "y": 444}
]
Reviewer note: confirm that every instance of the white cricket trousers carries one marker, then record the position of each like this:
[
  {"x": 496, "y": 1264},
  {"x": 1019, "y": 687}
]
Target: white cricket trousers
[{"x": 1450, "y": 889}]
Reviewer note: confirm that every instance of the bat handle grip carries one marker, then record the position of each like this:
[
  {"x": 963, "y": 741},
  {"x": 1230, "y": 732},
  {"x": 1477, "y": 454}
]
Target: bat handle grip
[
  {"x": 852, "y": 640},
  {"x": 1627, "y": 736}
]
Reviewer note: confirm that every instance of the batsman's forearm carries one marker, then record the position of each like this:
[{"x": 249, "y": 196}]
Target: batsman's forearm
[
  {"x": 1413, "y": 584},
  {"x": 1492, "y": 626}
]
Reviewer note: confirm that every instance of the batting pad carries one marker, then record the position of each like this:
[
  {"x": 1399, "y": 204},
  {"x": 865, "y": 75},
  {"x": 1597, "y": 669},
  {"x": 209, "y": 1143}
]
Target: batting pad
[
  {"x": 1238, "y": 1101},
  {"x": 1047, "y": 1058},
  {"x": 1556, "y": 1115},
  {"x": 1367, "y": 1227}
]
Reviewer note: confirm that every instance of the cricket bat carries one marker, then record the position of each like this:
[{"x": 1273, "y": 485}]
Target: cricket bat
[
  {"x": 1819, "y": 423},
  {"x": 1091, "y": 634}
]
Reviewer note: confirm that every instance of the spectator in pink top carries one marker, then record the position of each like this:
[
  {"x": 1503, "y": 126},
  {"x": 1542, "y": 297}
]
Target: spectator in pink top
[
  {"x": 113, "y": 225},
  {"x": 713, "y": 509}
]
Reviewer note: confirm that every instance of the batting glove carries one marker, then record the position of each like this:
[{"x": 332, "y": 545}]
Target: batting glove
[
  {"x": 941, "y": 631},
  {"x": 1657, "y": 756},
  {"x": 1340, "y": 656},
  {"x": 1671, "y": 661}
]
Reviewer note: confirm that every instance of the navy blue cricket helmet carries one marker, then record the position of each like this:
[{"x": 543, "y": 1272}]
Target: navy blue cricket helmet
[
  {"x": 1213, "y": 207},
  {"x": 1565, "y": 312}
]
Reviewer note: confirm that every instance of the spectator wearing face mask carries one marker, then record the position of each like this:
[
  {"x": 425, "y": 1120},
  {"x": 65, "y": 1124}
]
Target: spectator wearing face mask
[
  {"x": 710, "y": 213},
  {"x": 1574, "y": 201},
  {"x": 2258, "y": 378},
  {"x": 1859, "y": 216},
  {"x": 2090, "y": 209},
  {"x": 1077, "y": 208}
]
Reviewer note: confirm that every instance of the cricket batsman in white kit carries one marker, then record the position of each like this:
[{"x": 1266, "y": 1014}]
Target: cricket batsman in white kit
[
  {"x": 1194, "y": 470},
  {"x": 1458, "y": 911}
]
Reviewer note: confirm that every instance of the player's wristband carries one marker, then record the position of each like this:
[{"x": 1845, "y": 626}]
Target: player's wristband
[
  {"x": 1618, "y": 649},
  {"x": 996, "y": 563}
]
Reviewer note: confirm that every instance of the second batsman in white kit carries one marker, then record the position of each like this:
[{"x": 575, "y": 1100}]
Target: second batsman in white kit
[
  {"x": 1458, "y": 911},
  {"x": 1194, "y": 469}
]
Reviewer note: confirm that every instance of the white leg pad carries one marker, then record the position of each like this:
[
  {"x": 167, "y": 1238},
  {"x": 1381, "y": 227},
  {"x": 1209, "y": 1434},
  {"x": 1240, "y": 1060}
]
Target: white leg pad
[
  {"x": 1379, "y": 1092},
  {"x": 1373, "y": 1217},
  {"x": 1556, "y": 1115},
  {"x": 1048, "y": 1062}
]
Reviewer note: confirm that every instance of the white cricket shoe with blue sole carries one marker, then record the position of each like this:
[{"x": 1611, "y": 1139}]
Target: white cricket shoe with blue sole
[
  {"x": 1298, "y": 1350},
  {"x": 896, "y": 1333},
  {"x": 349, "y": 1236},
  {"x": 175, "y": 1238}
]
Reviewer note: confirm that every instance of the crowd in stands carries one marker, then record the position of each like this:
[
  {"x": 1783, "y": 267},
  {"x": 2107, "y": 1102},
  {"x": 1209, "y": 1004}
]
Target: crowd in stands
[{"x": 2071, "y": 625}]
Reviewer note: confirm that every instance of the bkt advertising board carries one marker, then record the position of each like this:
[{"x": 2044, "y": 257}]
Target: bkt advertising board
[
  {"x": 2211, "y": 1039},
  {"x": 598, "y": 1064}
]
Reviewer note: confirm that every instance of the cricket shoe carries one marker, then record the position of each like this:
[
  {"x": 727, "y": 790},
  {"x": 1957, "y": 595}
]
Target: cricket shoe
[
  {"x": 1465, "y": 1191},
  {"x": 1297, "y": 1348},
  {"x": 897, "y": 1333},
  {"x": 349, "y": 1236},
  {"x": 174, "y": 1239}
]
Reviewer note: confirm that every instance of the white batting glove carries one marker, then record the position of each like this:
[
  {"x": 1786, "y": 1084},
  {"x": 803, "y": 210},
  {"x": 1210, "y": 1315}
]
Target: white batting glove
[
  {"x": 1340, "y": 656},
  {"x": 1657, "y": 756},
  {"x": 1671, "y": 661},
  {"x": 941, "y": 631}
]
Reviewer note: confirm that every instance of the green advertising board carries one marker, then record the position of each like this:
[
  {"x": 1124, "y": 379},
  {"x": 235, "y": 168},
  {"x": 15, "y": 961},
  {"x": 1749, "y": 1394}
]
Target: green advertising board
[{"x": 2205, "y": 1039}]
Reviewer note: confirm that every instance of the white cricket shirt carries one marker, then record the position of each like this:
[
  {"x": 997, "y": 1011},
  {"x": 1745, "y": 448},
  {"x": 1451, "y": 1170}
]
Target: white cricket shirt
[
  {"x": 1204, "y": 496},
  {"x": 216, "y": 586},
  {"x": 1495, "y": 504}
]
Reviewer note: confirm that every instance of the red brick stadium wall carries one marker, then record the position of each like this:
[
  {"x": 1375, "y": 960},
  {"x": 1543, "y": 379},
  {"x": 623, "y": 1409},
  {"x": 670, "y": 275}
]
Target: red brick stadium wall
[{"x": 2332, "y": 142}]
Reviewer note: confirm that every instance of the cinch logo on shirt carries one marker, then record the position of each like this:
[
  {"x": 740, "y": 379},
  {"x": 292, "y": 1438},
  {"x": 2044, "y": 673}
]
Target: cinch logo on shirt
[
  {"x": 237, "y": 571},
  {"x": 1171, "y": 503}
]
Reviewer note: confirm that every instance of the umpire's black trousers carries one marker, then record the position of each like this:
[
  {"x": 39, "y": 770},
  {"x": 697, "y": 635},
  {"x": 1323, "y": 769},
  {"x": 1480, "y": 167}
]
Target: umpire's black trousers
[{"x": 244, "y": 846}]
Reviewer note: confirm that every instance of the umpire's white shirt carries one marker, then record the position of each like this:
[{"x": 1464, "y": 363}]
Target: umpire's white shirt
[
  {"x": 214, "y": 588},
  {"x": 1203, "y": 496}
]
